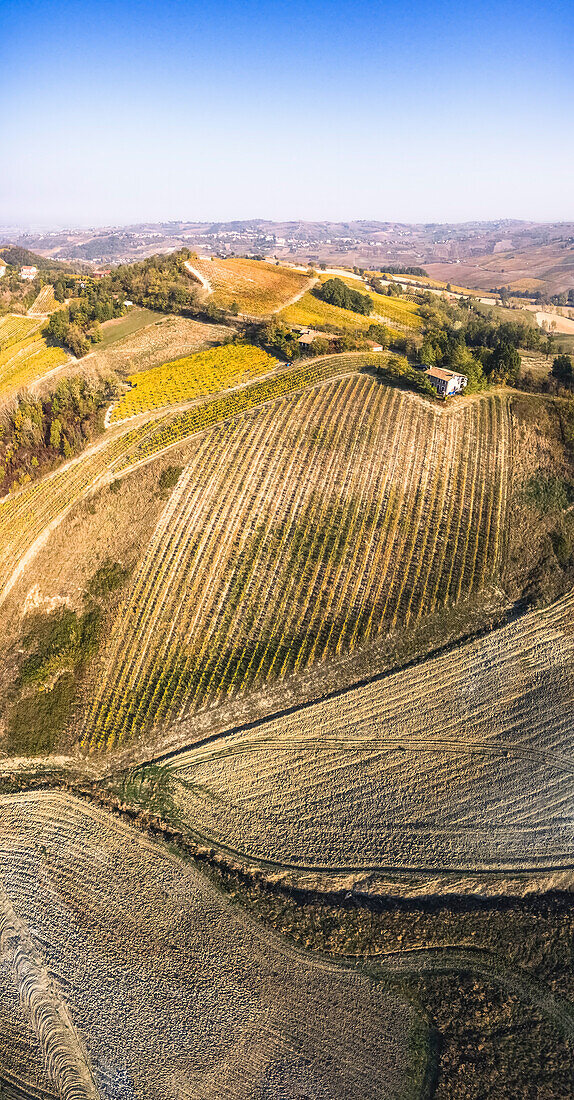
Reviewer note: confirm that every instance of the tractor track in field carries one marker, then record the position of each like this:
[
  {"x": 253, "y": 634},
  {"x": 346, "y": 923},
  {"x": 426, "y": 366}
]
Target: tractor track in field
[
  {"x": 417, "y": 744},
  {"x": 65, "y": 1058}
]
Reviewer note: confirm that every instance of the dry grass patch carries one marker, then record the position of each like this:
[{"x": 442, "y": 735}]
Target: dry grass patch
[{"x": 165, "y": 339}]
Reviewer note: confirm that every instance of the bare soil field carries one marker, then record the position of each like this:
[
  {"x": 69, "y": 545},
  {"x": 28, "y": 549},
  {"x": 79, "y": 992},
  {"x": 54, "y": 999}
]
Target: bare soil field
[
  {"x": 139, "y": 979},
  {"x": 555, "y": 322},
  {"x": 463, "y": 762},
  {"x": 550, "y": 264}
]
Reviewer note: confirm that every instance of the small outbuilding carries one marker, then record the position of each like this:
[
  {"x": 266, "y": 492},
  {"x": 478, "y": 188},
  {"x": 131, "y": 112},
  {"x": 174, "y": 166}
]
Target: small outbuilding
[
  {"x": 446, "y": 382},
  {"x": 28, "y": 272}
]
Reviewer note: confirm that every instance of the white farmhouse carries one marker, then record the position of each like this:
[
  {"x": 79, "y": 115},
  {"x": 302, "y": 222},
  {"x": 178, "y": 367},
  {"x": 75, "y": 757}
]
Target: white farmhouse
[
  {"x": 446, "y": 382},
  {"x": 28, "y": 272},
  {"x": 2, "y": 268}
]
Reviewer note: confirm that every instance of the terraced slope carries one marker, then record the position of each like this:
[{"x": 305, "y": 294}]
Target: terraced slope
[
  {"x": 171, "y": 994},
  {"x": 24, "y": 355},
  {"x": 464, "y": 762},
  {"x": 349, "y": 510},
  {"x": 256, "y": 287}
]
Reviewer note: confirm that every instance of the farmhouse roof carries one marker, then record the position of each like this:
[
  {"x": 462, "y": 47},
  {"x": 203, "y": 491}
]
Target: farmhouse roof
[
  {"x": 443, "y": 374},
  {"x": 313, "y": 334}
]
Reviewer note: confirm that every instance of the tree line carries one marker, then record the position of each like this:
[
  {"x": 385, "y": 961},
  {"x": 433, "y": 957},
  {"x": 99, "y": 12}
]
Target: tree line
[{"x": 39, "y": 432}]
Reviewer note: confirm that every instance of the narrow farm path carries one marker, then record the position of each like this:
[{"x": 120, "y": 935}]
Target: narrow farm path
[
  {"x": 193, "y": 271},
  {"x": 296, "y": 297}
]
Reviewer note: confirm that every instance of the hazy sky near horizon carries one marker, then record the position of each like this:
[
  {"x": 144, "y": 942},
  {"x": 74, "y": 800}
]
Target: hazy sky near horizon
[{"x": 422, "y": 111}]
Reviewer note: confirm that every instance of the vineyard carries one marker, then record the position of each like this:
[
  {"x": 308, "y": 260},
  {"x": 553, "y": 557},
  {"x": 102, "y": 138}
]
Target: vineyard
[
  {"x": 463, "y": 762},
  {"x": 44, "y": 303},
  {"x": 27, "y": 517},
  {"x": 299, "y": 533},
  {"x": 254, "y": 286},
  {"x": 119, "y": 1007},
  {"x": 192, "y": 377},
  {"x": 396, "y": 311},
  {"x": 24, "y": 355},
  {"x": 401, "y": 311},
  {"x": 314, "y": 313},
  {"x": 14, "y": 329}
]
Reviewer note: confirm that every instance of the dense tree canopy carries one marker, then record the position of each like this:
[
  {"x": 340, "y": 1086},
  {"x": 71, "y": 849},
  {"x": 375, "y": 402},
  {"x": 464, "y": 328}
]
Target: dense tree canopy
[{"x": 337, "y": 293}]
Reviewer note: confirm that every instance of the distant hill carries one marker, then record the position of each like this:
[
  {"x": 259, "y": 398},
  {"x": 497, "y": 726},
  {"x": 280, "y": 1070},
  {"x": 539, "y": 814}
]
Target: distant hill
[
  {"x": 481, "y": 255},
  {"x": 21, "y": 257}
]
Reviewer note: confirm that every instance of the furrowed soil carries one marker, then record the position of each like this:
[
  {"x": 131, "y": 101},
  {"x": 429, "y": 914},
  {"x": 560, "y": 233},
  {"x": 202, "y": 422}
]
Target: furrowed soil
[{"x": 169, "y": 991}]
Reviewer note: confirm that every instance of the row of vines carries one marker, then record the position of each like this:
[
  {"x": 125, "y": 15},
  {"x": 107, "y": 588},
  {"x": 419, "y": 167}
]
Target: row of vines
[
  {"x": 27, "y": 516},
  {"x": 302, "y": 533}
]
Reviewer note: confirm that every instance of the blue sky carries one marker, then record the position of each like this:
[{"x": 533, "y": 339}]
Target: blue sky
[{"x": 335, "y": 110}]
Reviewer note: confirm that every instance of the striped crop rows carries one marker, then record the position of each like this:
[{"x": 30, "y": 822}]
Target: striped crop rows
[
  {"x": 44, "y": 303},
  {"x": 192, "y": 377},
  {"x": 28, "y": 516},
  {"x": 174, "y": 429},
  {"x": 24, "y": 355},
  {"x": 255, "y": 286},
  {"x": 14, "y": 328},
  {"x": 396, "y": 311},
  {"x": 300, "y": 533}
]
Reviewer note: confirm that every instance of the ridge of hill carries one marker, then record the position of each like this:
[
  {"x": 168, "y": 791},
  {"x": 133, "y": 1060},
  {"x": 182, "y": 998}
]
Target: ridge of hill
[{"x": 22, "y": 257}]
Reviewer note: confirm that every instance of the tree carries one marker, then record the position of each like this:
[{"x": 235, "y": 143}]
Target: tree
[
  {"x": 55, "y": 433},
  {"x": 503, "y": 364},
  {"x": 380, "y": 334},
  {"x": 337, "y": 293},
  {"x": 549, "y": 345},
  {"x": 563, "y": 370}
]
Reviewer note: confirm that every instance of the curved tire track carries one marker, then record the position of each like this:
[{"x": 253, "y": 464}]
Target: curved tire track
[{"x": 64, "y": 1056}]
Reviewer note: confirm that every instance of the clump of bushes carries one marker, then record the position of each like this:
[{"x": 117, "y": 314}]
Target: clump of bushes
[
  {"x": 548, "y": 493},
  {"x": 337, "y": 293},
  {"x": 169, "y": 478},
  {"x": 398, "y": 369},
  {"x": 53, "y": 656}
]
